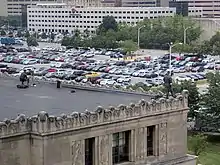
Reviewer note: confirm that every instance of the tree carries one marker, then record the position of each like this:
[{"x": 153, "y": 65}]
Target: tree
[
  {"x": 214, "y": 39},
  {"x": 158, "y": 32},
  {"x": 44, "y": 36},
  {"x": 129, "y": 46},
  {"x": 184, "y": 48},
  {"x": 123, "y": 31},
  {"x": 210, "y": 105},
  {"x": 86, "y": 33},
  {"x": 216, "y": 49},
  {"x": 27, "y": 34},
  {"x": 32, "y": 41},
  {"x": 3, "y": 33},
  {"x": 197, "y": 144},
  {"x": 52, "y": 36},
  {"x": 108, "y": 23},
  {"x": 193, "y": 98},
  {"x": 77, "y": 33},
  {"x": 35, "y": 35},
  {"x": 66, "y": 41}
]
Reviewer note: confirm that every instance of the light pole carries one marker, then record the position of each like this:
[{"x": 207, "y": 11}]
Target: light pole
[
  {"x": 170, "y": 57},
  {"x": 139, "y": 29},
  {"x": 184, "y": 35}
]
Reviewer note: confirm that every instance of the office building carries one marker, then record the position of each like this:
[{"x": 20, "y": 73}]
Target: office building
[
  {"x": 211, "y": 8},
  {"x": 65, "y": 18},
  {"x": 145, "y": 3},
  {"x": 182, "y": 7},
  {"x": 14, "y": 7},
  {"x": 141, "y": 133},
  {"x": 3, "y": 10}
]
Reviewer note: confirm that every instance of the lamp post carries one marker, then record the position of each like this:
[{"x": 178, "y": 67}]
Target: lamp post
[
  {"x": 184, "y": 35},
  {"x": 138, "y": 39},
  {"x": 170, "y": 57}
]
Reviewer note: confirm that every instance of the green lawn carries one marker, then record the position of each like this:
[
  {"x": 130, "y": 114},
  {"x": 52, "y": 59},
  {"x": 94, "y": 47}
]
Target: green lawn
[{"x": 211, "y": 155}]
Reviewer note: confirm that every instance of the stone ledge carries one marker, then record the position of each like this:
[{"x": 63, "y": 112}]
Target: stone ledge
[
  {"x": 186, "y": 159},
  {"x": 44, "y": 123}
]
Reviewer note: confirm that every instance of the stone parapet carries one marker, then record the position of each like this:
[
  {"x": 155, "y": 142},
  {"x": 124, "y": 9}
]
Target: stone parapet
[{"x": 43, "y": 123}]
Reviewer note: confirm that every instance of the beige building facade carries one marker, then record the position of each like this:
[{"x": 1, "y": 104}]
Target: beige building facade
[
  {"x": 142, "y": 133},
  {"x": 209, "y": 27},
  {"x": 3, "y": 10},
  {"x": 210, "y": 7},
  {"x": 14, "y": 7}
]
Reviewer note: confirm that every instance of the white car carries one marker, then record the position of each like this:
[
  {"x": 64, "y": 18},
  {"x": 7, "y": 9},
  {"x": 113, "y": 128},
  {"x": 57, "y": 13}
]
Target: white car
[
  {"x": 183, "y": 78},
  {"x": 89, "y": 55},
  {"x": 107, "y": 82},
  {"x": 56, "y": 65},
  {"x": 124, "y": 79}
]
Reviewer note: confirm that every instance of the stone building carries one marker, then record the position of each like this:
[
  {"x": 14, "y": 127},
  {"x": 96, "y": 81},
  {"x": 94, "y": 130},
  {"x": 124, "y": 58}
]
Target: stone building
[{"x": 137, "y": 134}]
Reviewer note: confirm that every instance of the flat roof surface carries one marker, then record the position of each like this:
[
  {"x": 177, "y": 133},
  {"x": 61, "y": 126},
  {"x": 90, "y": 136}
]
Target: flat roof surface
[{"x": 46, "y": 97}]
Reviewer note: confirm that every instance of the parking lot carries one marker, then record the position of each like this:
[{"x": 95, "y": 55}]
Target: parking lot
[{"x": 105, "y": 67}]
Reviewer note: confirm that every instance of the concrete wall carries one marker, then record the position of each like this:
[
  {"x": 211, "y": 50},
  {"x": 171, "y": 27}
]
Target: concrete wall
[
  {"x": 209, "y": 26},
  {"x": 49, "y": 140},
  {"x": 3, "y": 9}
]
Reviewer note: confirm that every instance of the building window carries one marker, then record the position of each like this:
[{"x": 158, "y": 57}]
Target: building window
[
  {"x": 150, "y": 140},
  {"x": 89, "y": 151},
  {"x": 120, "y": 147}
]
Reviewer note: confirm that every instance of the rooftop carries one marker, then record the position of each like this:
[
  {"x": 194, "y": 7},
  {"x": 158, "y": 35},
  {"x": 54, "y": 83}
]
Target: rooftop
[{"x": 45, "y": 97}]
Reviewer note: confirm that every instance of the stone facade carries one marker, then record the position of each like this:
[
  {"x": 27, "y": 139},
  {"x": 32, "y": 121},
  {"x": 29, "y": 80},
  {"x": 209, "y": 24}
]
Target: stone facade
[{"x": 48, "y": 140}]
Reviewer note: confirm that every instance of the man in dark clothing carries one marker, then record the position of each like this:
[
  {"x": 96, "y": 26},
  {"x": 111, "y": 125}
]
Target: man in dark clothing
[
  {"x": 168, "y": 84},
  {"x": 24, "y": 77}
]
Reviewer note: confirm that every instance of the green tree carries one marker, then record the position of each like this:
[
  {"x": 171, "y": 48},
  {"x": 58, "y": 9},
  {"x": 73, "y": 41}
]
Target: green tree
[
  {"x": 108, "y": 23},
  {"x": 27, "y": 34},
  {"x": 197, "y": 144},
  {"x": 44, "y": 36},
  {"x": 3, "y": 33},
  {"x": 123, "y": 31},
  {"x": 184, "y": 48},
  {"x": 66, "y": 41},
  {"x": 35, "y": 35},
  {"x": 129, "y": 46},
  {"x": 194, "y": 98},
  {"x": 32, "y": 41},
  {"x": 76, "y": 33},
  {"x": 158, "y": 32},
  {"x": 210, "y": 104},
  {"x": 86, "y": 33},
  {"x": 216, "y": 49},
  {"x": 52, "y": 36},
  {"x": 215, "y": 38}
]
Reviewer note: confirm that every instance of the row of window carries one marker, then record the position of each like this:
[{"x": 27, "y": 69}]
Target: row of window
[
  {"x": 104, "y": 12},
  {"x": 84, "y": 22},
  {"x": 75, "y": 26},
  {"x": 59, "y": 30},
  {"x": 84, "y": 17},
  {"x": 120, "y": 147},
  {"x": 29, "y": 0},
  {"x": 37, "y": 21}
]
